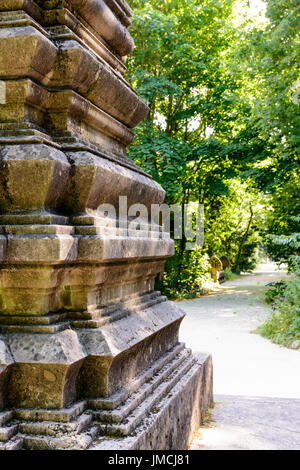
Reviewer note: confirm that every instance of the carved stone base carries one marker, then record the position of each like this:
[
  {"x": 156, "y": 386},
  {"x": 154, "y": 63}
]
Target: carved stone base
[
  {"x": 160, "y": 410},
  {"x": 173, "y": 421}
]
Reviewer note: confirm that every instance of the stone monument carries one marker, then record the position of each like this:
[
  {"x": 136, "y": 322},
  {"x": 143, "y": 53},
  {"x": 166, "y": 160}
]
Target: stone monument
[{"x": 89, "y": 351}]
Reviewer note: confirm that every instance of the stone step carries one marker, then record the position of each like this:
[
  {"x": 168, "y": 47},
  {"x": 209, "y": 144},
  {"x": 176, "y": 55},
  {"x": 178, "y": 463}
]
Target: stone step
[
  {"x": 130, "y": 298},
  {"x": 118, "y": 415},
  {"x": 65, "y": 415},
  {"x": 41, "y": 329},
  {"x": 87, "y": 225},
  {"x": 161, "y": 410},
  {"x": 48, "y": 428},
  {"x": 122, "y": 395},
  {"x": 32, "y": 320},
  {"x": 98, "y": 323},
  {"x": 120, "y": 232},
  {"x": 65, "y": 441},
  {"x": 7, "y": 432},
  {"x": 149, "y": 404},
  {"x": 16, "y": 443},
  {"x": 118, "y": 315},
  {"x": 5, "y": 416},
  {"x": 141, "y": 303},
  {"x": 108, "y": 309}
]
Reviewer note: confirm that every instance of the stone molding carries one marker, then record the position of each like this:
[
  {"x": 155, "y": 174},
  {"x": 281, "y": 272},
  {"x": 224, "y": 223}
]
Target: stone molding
[{"x": 89, "y": 350}]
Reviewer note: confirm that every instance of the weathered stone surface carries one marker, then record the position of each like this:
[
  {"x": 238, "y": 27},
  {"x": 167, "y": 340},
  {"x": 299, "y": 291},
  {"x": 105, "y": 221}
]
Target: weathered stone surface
[
  {"x": 61, "y": 113},
  {"x": 45, "y": 373},
  {"x": 175, "y": 419},
  {"x": 98, "y": 15},
  {"x": 32, "y": 177},
  {"x": 89, "y": 352},
  {"x": 94, "y": 179},
  {"x": 5, "y": 362},
  {"x": 115, "y": 359},
  {"x": 89, "y": 291},
  {"x": 14, "y": 10},
  {"x": 159, "y": 410},
  {"x": 25, "y": 51}
]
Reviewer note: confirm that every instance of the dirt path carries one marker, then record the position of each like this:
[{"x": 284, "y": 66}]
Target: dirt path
[{"x": 256, "y": 382}]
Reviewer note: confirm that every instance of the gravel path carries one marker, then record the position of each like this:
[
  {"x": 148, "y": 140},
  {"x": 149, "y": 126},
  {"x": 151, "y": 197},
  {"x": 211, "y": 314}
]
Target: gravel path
[{"x": 256, "y": 382}]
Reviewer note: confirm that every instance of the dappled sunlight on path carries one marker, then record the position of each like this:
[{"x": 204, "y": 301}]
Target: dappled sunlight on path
[{"x": 245, "y": 364}]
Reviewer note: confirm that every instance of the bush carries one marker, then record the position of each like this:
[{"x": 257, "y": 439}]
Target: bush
[
  {"x": 283, "y": 327},
  {"x": 275, "y": 292},
  {"x": 229, "y": 275},
  {"x": 285, "y": 249},
  {"x": 249, "y": 259},
  {"x": 186, "y": 276}
]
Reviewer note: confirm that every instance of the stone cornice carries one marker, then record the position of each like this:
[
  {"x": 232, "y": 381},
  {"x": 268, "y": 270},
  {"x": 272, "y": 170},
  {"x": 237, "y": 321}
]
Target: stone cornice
[
  {"x": 96, "y": 15},
  {"x": 60, "y": 67}
]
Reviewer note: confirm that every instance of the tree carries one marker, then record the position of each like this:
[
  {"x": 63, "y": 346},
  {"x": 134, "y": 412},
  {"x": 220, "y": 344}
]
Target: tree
[
  {"x": 275, "y": 113},
  {"x": 223, "y": 118}
]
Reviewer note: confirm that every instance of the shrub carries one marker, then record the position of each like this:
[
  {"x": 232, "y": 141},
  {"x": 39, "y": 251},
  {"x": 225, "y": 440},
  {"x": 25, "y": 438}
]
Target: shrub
[
  {"x": 275, "y": 291},
  {"x": 285, "y": 249},
  {"x": 229, "y": 275},
  {"x": 186, "y": 276},
  {"x": 283, "y": 326}
]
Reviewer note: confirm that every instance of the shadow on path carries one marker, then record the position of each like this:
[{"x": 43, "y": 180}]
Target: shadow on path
[
  {"x": 256, "y": 381},
  {"x": 251, "y": 423}
]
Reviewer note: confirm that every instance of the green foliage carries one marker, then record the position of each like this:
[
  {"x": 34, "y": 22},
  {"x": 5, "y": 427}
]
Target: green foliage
[
  {"x": 283, "y": 326},
  {"x": 229, "y": 275},
  {"x": 222, "y": 128},
  {"x": 187, "y": 276},
  {"x": 234, "y": 230},
  {"x": 285, "y": 249},
  {"x": 275, "y": 291},
  {"x": 272, "y": 65},
  {"x": 163, "y": 157},
  {"x": 278, "y": 108},
  {"x": 274, "y": 123},
  {"x": 283, "y": 224}
]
